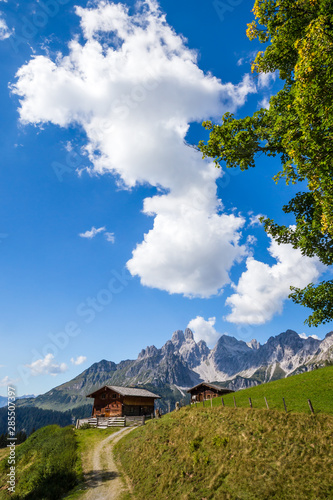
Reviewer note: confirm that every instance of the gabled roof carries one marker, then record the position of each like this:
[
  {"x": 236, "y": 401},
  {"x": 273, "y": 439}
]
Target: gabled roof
[
  {"x": 126, "y": 391},
  {"x": 212, "y": 386}
]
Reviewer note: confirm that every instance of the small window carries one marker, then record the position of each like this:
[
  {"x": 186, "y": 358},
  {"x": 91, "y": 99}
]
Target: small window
[
  {"x": 103, "y": 395},
  {"x": 114, "y": 396}
]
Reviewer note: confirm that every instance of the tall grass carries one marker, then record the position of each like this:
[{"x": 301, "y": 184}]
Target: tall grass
[
  {"x": 47, "y": 465},
  {"x": 225, "y": 453}
]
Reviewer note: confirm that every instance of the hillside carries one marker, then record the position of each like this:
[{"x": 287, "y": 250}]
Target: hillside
[
  {"x": 48, "y": 465},
  {"x": 316, "y": 385},
  {"x": 229, "y": 454}
]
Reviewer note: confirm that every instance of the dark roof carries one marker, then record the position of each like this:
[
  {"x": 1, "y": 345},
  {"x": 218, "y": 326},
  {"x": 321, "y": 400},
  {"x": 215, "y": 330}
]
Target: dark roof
[
  {"x": 212, "y": 386},
  {"x": 127, "y": 391}
]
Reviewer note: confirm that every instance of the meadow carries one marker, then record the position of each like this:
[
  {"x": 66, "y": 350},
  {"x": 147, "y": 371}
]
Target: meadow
[{"x": 316, "y": 385}]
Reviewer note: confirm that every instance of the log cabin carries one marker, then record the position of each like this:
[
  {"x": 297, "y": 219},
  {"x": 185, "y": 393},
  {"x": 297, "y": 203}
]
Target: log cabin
[
  {"x": 116, "y": 401},
  {"x": 205, "y": 390}
]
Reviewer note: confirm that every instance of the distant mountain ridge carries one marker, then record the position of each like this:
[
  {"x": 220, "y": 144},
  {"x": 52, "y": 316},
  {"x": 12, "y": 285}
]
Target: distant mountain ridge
[
  {"x": 4, "y": 399},
  {"x": 182, "y": 362}
]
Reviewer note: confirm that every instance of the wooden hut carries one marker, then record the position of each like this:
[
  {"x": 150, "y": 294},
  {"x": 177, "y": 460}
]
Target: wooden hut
[
  {"x": 115, "y": 401},
  {"x": 205, "y": 390}
]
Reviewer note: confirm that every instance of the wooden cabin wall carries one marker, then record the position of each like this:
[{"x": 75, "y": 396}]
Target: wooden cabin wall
[
  {"x": 122, "y": 405},
  {"x": 202, "y": 393}
]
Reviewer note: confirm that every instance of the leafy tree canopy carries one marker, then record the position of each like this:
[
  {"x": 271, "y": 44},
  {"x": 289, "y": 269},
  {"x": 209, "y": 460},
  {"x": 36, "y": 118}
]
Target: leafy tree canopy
[{"x": 297, "y": 127}]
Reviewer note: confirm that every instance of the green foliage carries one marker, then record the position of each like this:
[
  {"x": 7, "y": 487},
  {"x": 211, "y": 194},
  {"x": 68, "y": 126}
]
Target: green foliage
[
  {"x": 261, "y": 455},
  {"x": 297, "y": 127},
  {"x": 318, "y": 298},
  {"x": 47, "y": 465}
]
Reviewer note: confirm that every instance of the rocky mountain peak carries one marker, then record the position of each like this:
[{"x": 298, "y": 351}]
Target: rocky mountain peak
[
  {"x": 178, "y": 338},
  {"x": 203, "y": 348},
  {"x": 226, "y": 342},
  {"x": 253, "y": 344},
  {"x": 168, "y": 348},
  {"x": 188, "y": 334},
  {"x": 148, "y": 352}
]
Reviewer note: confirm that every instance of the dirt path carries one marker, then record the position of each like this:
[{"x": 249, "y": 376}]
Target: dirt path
[{"x": 103, "y": 478}]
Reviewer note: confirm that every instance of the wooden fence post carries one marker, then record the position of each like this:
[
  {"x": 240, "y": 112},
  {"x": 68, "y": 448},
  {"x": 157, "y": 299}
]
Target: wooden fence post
[
  {"x": 310, "y": 406},
  {"x": 203, "y": 402},
  {"x": 211, "y": 403},
  {"x": 222, "y": 401},
  {"x": 234, "y": 401},
  {"x": 125, "y": 421},
  {"x": 143, "y": 420},
  {"x": 266, "y": 403},
  {"x": 250, "y": 402},
  {"x": 285, "y": 406}
]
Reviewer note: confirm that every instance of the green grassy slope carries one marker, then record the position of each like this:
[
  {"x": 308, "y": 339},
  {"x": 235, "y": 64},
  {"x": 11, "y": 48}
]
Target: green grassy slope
[
  {"x": 226, "y": 453},
  {"x": 47, "y": 465},
  {"x": 316, "y": 385}
]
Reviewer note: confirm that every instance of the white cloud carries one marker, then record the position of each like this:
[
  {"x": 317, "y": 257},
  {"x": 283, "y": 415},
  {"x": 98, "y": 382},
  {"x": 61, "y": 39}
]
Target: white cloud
[
  {"x": 79, "y": 360},
  {"x": 47, "y": 366},
  {"x": 4, "y": 30},
  {"x": 92, "y": 233},
  {"x": 110, "y": 237},
  {"x": 264, "y": 103},
  {"x": 4, "y": 382},
  {"x": 262, "y": 289},
  {"x": 204, "y": 330},
  {"x": 251, "y": 240},
  {"x": 305, "y": 336},
  {"x": 254, "y": 220},
  {"x": 266, "y": 79},
  {"x": 135, "y": 101}
]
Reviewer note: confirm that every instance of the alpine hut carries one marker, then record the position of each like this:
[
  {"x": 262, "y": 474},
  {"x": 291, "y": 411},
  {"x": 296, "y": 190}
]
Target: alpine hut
[
  {"x": 205, "y": 390},
  {"x": 116, "y": 401}
]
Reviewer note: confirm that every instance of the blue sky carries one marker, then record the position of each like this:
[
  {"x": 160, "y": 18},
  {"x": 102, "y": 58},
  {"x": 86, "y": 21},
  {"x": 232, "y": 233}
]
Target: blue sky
[{"x": 113, "y": 232}]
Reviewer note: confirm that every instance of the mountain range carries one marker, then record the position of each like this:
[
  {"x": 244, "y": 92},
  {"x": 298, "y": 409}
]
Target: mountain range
[
  {"x": 182, "y": 362},
  {"x": 4, "y": 399}
]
